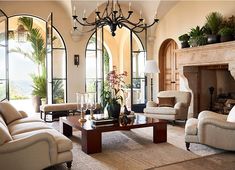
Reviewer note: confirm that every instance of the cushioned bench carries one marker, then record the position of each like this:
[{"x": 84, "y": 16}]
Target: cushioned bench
[{"x": 57, "y": 110}]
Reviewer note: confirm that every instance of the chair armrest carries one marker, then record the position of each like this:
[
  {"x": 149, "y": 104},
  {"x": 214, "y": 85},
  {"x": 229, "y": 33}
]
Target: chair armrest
[
  {"x": 216, "y": 122},
  {"x": 209, "y": 114},
  {"x": 23, "y": 143},
  {"x": 151, "y": 104},
  {"x": 179, "y": 105},
  {"x": 23, "y": 114}
]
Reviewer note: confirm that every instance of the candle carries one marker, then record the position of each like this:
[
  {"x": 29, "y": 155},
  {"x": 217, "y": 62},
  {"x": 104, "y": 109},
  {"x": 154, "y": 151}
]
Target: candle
[
  {"x": 114, "y": 6},
  {"x": 84, "y": 13},
  {"x": 129, "y": 6},
  {"x": 74, "y": 10},
  {"x": 74, "y": 23},
  {"x": 97, "y": 7},
  {"x": 140, "y": 14}
]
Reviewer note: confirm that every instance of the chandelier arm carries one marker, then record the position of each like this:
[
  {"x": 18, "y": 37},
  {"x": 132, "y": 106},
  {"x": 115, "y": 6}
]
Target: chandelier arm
[
  {"x": 82, "y": 23},
  {"x": 129, "y": 22}
]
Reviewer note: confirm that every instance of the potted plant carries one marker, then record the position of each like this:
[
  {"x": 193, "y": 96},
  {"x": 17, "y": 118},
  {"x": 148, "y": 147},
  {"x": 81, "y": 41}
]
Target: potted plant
[
  {"x": 214, "y": 21},
  {"x": 184, "y": 40},
  {"x": 226, "y": 34},
  {"x": 197, "y": 37},
  {"x": 112, "y": 94}
]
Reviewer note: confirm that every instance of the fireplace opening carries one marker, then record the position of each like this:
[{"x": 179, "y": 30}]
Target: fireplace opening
[{"x": 213, "y": 88}]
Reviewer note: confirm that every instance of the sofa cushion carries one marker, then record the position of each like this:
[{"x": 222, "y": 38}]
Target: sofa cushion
[
  {"x": 27, "y": 120},
  {"x": 191, "y": 126},
  {"x": 9, "y": 113},
  {"x": 231, "y": 115},
  {"x": 27, "y": 127},
  {"x": 166, "y": 101},
  {"x": 63, "y": 143},
  {"x": 4, "y": 134}
]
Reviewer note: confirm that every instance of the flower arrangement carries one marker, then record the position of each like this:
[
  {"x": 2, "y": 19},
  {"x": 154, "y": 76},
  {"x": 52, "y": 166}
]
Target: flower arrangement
[
  {"x": 113, "y": 88},
  {"x": 113, "y": 92}
]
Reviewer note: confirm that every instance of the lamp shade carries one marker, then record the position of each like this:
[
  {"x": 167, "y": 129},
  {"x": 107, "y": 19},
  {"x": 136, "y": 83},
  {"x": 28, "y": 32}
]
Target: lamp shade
[{"x": 151, "y": 67}]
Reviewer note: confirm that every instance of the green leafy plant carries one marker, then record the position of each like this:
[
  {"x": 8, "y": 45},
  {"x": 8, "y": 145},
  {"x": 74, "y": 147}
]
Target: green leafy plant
[
  {"x": 39, "y": 85},
  {"x": 184, "y": 37},
  {"x": 214, "y": 22},
  {"x": 197, "y": 37},
  {"x": 58, "y": 91},
  {"x": 225, "y": 31}
]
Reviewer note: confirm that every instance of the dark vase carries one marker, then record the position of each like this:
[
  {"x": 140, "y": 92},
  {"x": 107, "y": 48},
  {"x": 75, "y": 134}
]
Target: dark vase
[
  {"x": 114, "y": 110},
  {"x": 184, "y": 44},
  {"x": 226, "y": 38},
  {"x": 211, "y": 39}
]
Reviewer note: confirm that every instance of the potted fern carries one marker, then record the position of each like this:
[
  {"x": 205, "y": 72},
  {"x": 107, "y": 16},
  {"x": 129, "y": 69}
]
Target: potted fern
[
  {"x": 184, "y": 40},
  {"x": 226, "y": 34},
  {"x": 213, "y": 25},
  {"x": 197, "y": 37}
]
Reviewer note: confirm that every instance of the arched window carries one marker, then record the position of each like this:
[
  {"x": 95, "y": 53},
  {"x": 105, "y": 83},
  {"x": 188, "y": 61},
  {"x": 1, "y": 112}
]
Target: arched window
[
  {"x": 27, "y": 62},
  {"x": 126, "y": 52}
]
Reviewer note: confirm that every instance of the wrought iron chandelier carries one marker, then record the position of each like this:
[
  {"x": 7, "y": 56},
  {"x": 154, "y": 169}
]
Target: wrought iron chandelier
[{"x": 113, "y": 17}]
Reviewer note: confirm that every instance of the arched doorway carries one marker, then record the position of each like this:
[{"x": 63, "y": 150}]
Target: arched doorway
[
  {"x": 169, "y": 74},
  {"x": 125, "y": 51},
  {"x": 26, "y": 62}
]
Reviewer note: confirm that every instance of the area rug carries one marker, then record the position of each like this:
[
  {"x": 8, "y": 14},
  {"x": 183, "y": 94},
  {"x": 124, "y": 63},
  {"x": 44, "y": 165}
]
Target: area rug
[{"x": 127, "y": 150}]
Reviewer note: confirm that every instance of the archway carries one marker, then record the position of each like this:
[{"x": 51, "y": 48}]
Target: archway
[
  {"x": 169, "y": 74},
  {"x": 125, "y": 52}
]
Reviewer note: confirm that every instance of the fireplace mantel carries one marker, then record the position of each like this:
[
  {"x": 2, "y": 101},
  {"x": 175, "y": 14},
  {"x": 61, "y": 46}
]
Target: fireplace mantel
[
  {"x": 214, "y": 54},
  {"x": 188, "y": 61}
]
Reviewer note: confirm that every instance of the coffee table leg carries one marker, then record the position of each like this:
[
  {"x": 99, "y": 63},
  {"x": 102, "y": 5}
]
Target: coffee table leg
[
  {"x": 91, "y": 141},
  {"x": 66, "y": 129},
  {"x": 160, "y": 133}
]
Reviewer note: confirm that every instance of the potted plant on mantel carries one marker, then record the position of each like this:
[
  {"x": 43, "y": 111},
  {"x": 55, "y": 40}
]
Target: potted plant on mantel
[
  {"x": 112, "y": 94},
  {"x": 213, "y": 25},
  {"x": 226, "y": 34},
  {"x": 184, "y": 40},
  {"x": 197, "y": 37}
]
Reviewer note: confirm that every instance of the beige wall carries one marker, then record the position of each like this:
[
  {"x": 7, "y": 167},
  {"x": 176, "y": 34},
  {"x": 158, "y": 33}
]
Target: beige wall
[{"x": 186, "y": 15}]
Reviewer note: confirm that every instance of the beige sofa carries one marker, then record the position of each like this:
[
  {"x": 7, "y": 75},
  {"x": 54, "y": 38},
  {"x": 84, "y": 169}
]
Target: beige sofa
[
  {"x": 178, "y": 111},
  {"x": 211, "y": 129},
  {"x": 27, "y": 143}
]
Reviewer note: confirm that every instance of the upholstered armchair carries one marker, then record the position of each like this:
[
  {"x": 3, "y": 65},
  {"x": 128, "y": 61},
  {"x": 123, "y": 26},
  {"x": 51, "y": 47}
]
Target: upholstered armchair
[
  {"x": 171, "y": 105},
  {"x": 211, "y": 129}
]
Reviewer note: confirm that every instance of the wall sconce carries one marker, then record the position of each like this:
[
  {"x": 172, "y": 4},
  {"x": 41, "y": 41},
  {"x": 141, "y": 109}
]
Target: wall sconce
[{"x": 76, "y": 60}]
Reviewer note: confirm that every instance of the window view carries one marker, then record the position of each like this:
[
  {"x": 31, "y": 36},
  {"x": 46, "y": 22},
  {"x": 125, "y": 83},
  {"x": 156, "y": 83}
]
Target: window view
[{"x": 27, "y": 64}]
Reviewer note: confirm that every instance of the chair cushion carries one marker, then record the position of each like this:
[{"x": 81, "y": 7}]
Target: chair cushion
[
  {"x": 191, "y": 126},
  {"x": 4, "y": 134},
  {"x": 166, "y": 101},
  {"x": 63, "y": 143},
  {"x": 9, "y": 113},
  {"x": 27, "y": 127},
  {"x": 231, "y": 115},
  {"x": 161, "y": 110},
  {"x": 27, "y": 120}
]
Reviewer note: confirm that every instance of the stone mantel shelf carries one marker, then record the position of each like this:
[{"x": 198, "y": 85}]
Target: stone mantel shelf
[{"x": 213, "y": 54}]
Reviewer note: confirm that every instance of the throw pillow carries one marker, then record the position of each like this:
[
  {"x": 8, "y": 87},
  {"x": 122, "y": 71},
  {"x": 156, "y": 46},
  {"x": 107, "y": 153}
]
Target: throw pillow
[
  {"x": 166, "y": 101},
  {"x": 9, "y": 113},
  {"x": 231, "y": 115},
  {"x": 4, "y": 134}
]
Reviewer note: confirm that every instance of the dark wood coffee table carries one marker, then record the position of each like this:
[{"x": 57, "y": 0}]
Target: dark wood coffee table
[{"x": 91, "y": 137}]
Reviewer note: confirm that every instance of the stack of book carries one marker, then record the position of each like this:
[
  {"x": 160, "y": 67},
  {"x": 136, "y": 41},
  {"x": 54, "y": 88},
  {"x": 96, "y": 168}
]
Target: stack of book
[{"x": 104, "y": 122}]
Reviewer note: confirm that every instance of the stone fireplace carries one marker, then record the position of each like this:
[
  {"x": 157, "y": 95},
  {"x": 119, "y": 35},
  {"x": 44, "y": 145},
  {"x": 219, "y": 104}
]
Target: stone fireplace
[{"x": 209, "y": 66}]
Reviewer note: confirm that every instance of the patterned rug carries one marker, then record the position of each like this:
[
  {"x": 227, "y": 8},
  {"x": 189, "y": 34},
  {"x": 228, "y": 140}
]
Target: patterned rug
[{"x": 134, "y": 150}]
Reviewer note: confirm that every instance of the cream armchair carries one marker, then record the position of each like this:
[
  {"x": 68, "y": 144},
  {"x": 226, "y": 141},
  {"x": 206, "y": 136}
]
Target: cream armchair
[
  {"x": 211, "y": 129},
  {"x": 178, "y": 111},
  {"x": 28, "y": 143}
]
